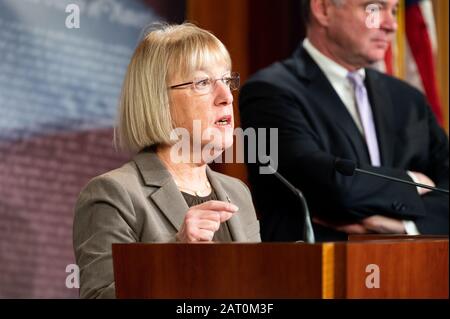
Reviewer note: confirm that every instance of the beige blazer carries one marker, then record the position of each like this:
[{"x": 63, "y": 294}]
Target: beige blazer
[{"x": 140, "y": 202}]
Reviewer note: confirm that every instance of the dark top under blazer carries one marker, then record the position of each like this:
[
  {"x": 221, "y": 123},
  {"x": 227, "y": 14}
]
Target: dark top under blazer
[{"x": 315, "y": 127}]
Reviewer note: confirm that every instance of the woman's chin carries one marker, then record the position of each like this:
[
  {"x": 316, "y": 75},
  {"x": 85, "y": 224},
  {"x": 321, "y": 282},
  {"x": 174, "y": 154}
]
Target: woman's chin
[
  {"x": 227, "y": 142},
  {"x": 211, "y": 151}
]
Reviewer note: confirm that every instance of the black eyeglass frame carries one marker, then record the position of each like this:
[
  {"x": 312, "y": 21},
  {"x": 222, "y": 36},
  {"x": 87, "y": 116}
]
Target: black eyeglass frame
[{"x": 232, "y": 76}]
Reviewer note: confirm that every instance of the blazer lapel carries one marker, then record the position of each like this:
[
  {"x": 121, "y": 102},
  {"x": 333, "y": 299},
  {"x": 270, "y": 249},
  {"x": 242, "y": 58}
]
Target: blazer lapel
[
  {"x": 168, "y": 198},
  {"x": 383, "y": 113},
  {"x": 328, "y": 101},
  {"x": 234, "y": 223}
]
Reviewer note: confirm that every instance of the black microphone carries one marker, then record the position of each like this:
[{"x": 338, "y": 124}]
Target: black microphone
[
  {"x": 308, "y": 235},
  {"x": 348, "y": 168}
]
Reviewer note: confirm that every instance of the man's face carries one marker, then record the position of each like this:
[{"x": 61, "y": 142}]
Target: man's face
[{"x": 354, "y": 37}]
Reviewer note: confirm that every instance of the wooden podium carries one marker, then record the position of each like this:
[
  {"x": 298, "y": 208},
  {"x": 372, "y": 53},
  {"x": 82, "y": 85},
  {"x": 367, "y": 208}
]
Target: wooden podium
[{"x": 364, "y": 267}]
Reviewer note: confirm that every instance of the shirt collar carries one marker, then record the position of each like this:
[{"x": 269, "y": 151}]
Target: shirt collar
[{"x": 332, "y": 70}]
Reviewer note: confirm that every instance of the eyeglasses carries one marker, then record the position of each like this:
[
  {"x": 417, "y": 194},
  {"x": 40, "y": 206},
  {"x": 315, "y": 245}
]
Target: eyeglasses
[{"x": 205, "y": 85}]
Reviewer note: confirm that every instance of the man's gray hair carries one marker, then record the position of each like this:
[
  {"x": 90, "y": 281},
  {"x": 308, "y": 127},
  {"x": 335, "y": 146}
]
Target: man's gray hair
[{"x": 306, "y": 11}]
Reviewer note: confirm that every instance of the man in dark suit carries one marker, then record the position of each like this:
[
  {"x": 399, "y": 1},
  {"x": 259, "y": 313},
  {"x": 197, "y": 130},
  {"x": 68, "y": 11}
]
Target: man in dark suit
[{"x": 326, "y": 104}]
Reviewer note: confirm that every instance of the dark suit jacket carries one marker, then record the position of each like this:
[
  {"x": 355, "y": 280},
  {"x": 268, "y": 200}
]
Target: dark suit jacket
[
  {"x": 315, "y": 127},
  {"x": 140, "y": 202}
]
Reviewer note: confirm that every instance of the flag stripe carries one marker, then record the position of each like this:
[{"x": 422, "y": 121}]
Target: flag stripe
[{"x": 421, "y": 49}]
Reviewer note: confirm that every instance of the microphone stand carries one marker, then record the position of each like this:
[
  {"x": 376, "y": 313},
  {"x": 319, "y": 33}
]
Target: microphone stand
[
  {"x": 395, "y": 179},
  {"x": 308, "y": 234}
]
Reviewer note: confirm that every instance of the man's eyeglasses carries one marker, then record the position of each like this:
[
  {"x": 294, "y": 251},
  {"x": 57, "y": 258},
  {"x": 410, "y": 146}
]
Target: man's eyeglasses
[{"x": 205, "y": 85}]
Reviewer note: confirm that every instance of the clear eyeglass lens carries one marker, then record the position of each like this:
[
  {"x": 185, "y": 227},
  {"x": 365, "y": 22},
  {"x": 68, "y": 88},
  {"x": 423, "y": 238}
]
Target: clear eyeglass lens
[
  {"x": 202, "y": 85},
  {"x": 205, "y": 85}
]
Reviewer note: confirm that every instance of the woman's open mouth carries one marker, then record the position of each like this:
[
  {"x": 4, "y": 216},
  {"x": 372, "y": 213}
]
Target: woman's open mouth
[{"x": 224, "y": 121}]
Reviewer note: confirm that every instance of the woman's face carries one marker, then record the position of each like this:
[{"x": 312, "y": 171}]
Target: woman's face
[{"x": 208, "y": 115}]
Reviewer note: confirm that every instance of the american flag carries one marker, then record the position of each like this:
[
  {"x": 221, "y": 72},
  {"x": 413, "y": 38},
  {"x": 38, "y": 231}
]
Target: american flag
[{"x": 412, "y": 56}]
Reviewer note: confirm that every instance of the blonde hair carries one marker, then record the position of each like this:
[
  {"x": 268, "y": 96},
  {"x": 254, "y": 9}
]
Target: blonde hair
[{"x": 144, "y": 117}]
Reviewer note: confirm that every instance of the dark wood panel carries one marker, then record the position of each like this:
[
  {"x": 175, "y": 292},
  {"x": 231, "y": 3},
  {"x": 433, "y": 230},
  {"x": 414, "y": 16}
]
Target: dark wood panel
[
  {"x": 392, "y": 237},
  {"x": 275, "y": 30},
  {"x": 218, "y": 271},
  {"x": 408, "y": 269}
]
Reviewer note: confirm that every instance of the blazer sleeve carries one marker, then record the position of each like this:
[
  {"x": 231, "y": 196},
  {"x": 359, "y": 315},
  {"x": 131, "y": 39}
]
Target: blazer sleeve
[
  {"x": 305, "y": 160},
  {"x": 436, "y": 204},
  {"x": 252, "y": 228},
  {"x": 103, "y": 215}
]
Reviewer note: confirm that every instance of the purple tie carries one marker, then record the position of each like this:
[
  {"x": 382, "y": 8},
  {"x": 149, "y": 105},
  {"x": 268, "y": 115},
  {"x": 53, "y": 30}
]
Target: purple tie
[{"x": 366, "y": 116}]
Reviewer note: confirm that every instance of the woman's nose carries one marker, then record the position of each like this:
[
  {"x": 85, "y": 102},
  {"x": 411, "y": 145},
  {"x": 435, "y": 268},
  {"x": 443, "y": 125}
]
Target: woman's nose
[{"x": 223, "y": 95}]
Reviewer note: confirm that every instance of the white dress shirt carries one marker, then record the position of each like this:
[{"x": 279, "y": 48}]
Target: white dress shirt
[{"x": 337, "y": 75}]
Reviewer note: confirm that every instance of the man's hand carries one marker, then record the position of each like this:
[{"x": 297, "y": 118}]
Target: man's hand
[
  {"x": 374, "y": 224},
  {"x": 383, "y": 225},
  {"x": 202, "y": 221},
  {"x": 350, "y": 228},
  {"x": 422, "y": 179}
]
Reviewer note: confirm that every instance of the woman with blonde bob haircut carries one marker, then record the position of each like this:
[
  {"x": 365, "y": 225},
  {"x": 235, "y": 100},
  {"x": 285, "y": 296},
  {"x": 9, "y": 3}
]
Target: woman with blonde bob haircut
[{"x": 179, "y": 78}]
